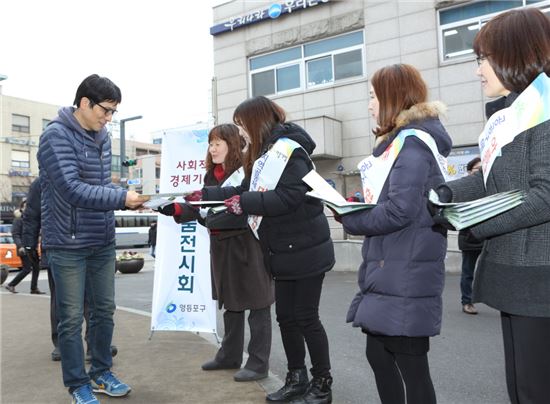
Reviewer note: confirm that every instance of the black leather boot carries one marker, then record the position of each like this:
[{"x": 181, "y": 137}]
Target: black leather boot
[
  {"x": 295, "y": 386},
  {"x": 318, "y": 392}
]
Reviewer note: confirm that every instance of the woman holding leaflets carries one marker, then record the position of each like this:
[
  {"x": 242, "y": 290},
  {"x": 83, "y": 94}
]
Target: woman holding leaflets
[
  {"x": 240, "y": 280},
  {"x": 295, "y": 238},
  {"x": 401, "y": 277},
  {"x": 513, "y": 273}
]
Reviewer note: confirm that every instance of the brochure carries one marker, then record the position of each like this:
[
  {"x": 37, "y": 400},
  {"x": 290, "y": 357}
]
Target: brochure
[
  {"x": 205, "y": 203},
  {"x": 156, "y": 203},
  {"x": 342, "y": 208},
  {"x": 465, "y": 214},
  {"x": 330, "y": 197},
  {"x": 168, "y": 195}
]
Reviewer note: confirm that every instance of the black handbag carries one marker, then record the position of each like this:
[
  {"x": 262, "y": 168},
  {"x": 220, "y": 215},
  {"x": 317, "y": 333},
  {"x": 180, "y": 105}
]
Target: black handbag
[{"x": 226, "y": 221}]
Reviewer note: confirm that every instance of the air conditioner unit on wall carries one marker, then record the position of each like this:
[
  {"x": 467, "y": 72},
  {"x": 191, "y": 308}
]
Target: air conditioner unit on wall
[{"x": 327, "y": 134}]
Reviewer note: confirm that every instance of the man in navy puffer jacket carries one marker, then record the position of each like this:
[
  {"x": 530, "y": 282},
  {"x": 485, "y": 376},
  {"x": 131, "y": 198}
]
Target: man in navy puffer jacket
[{"x": 78, "y": 231}]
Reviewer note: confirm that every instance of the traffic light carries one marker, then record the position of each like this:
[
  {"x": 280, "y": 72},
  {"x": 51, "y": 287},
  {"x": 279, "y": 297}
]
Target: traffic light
[{"x": 129, "y": 162}]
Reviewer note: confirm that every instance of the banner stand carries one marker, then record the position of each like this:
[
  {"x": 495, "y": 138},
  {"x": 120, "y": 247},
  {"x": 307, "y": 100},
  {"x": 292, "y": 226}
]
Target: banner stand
[{"x": 182, "y": 288}]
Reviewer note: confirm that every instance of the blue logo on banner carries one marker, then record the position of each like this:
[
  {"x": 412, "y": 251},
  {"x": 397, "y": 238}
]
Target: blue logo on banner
[
  {"x": 275, "y": 10},
  {"x": 171, "y": 308}
]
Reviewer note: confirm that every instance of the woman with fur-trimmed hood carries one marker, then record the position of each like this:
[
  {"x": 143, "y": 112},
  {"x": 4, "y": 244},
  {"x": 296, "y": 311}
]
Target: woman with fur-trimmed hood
[{"x": 402, "y": 274}]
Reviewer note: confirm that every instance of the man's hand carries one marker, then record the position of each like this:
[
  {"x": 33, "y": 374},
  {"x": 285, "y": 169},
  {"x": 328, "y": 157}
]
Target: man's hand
[
  {"x": 21, "y": 251},
  {"x": 135, "y": 200},
  {"x": 194, "y": 196},
  {"x": 234, "y": 205}
]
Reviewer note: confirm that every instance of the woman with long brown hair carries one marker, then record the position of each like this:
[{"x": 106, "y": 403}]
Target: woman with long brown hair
[
  {"x": 401, "y": 278},
  {"x": 240, "y": 280},
  {"x": 295, "y": 238},
  {"x": 513, "y": 271}
]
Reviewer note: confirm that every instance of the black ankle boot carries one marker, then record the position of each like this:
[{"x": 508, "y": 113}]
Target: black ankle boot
[
  {"x": 295, "y": 386},
  {"x": 318, "y": 392}
]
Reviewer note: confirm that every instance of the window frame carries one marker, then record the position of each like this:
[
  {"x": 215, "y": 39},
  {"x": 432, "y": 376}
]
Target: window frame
[
  {"x": 21, "y": 128},
  {"x": 480, "y": 20},
  {"x": 20, "y": 165},
  {"x": 302, "y": 63},
  {"x": 45, "y": 123}
]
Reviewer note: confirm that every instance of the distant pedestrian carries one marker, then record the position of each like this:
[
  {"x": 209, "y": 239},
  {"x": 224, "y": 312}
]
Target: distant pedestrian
[
  {"x": 152, "y": 240},
  {"x": 401, "y": 278},
  {"x": 29, "y": 256},
  {"x": 471, "y": 248},
  {"x": 78, "y": 231},
  {"x": 31, "y": 237}
]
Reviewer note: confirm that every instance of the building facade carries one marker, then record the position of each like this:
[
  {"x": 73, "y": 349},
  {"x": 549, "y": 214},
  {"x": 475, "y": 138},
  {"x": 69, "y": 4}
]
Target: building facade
[
  {"x": 21, "y": 124},
  {"x": 314, "y": 58}
]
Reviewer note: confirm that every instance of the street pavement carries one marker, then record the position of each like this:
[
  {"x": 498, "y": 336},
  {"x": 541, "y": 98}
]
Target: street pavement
[{"x": 466, "y": 360}]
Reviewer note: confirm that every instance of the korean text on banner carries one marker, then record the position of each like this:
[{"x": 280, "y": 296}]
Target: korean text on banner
[{"x": 182, "y": 295}]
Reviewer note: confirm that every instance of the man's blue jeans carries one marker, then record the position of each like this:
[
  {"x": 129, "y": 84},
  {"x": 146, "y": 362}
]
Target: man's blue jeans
[{"x": 77, "y": 273}]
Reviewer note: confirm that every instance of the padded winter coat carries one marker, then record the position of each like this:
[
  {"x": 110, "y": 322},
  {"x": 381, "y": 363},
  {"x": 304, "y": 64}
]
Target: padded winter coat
[
  {"x": 402, "y": 275},
  {"x": 78, "y": 197}
]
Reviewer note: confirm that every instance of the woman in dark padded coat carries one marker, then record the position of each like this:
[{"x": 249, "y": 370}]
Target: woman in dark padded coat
[
  {"x": 240, "y": 280},
  {"x": 402, "y": 274},
  {"x": 294, "y": 236}
]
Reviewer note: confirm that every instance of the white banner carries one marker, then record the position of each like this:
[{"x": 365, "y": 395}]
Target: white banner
[{"x": 182, "y": 294}]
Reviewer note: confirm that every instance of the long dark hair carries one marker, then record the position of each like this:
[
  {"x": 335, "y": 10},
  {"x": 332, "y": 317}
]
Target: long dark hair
[
  {"x": 257, "y": 116},
  {"x": 229, "y": 133},
  {"x": 397, "y": 87},
  {"x": 517, "y": 45}
]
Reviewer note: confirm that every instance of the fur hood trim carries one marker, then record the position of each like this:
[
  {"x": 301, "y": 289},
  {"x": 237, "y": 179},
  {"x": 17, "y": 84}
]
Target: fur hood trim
[{"x": 417, "y": 112}]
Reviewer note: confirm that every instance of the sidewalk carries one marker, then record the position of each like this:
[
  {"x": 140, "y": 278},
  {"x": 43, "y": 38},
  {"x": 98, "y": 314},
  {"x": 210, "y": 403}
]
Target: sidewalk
[{"x": 165, "y": 369}]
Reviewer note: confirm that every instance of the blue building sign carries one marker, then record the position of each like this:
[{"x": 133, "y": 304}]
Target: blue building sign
[{"x": 272, "y": 12}]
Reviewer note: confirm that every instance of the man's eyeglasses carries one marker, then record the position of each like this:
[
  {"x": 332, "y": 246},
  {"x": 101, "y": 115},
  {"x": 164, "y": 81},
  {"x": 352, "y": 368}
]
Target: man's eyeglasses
[
  {"x": 107, "y": 111},
  {"x": 480, "y": 59}
]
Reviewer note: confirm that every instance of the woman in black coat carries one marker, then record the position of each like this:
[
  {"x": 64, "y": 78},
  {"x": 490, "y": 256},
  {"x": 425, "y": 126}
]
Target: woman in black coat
[
  {"x": 240, "y": 280},
  {"x": 294, "y": 235}
]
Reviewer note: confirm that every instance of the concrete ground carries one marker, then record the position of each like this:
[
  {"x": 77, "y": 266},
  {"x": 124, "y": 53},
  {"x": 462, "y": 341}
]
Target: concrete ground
[{"x": 165, "y": 369}]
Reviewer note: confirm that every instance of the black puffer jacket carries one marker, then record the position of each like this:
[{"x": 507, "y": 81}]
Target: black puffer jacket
[
  {"x": 17, "y": 230},
  {"x": 294, "y": 232},
  {"x": 31, "y": 216}
]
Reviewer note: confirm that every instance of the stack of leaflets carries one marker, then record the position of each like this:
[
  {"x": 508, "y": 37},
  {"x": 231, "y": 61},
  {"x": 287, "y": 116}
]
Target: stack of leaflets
[
  {"x": 465, "y": 214},
  {"x": 159, "y": 200},
  {"x": 330, "y": 197}
]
